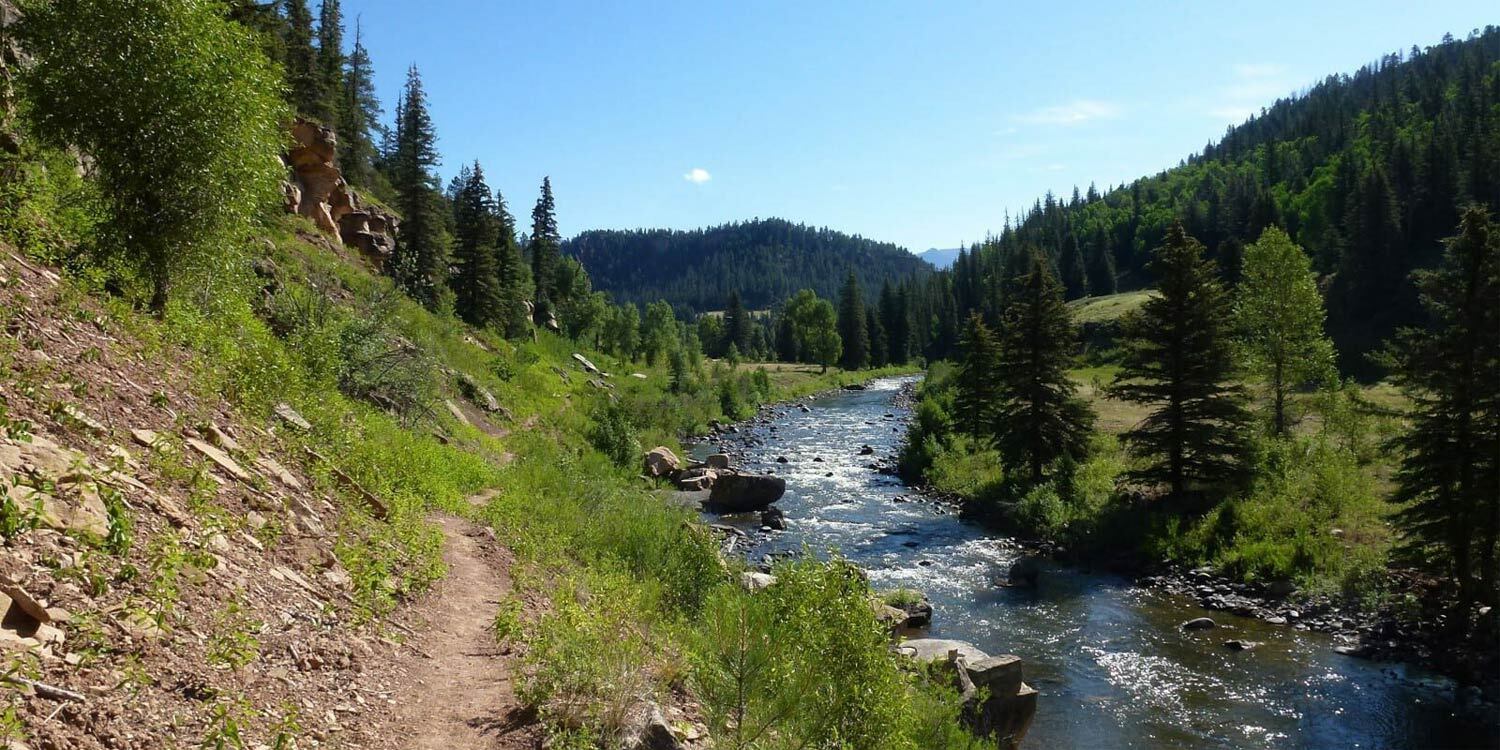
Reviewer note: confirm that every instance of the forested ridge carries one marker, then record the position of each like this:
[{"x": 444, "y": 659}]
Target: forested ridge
[
  {"x": 765, "y": 260},
  {"x": 1365, "y": 171}
]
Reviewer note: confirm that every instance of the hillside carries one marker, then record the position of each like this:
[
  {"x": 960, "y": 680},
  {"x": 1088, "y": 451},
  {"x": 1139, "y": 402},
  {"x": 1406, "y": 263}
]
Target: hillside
[
  {"x": 1367, "y": 172},
  {"x": 766, "y": 260}
]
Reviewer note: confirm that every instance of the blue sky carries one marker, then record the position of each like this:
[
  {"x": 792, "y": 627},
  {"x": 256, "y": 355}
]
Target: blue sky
[{"x": 916, "y": 123}]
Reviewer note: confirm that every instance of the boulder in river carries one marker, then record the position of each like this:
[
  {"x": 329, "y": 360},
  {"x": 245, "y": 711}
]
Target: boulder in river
[
  {"x": 716, "y": 461},
  {"x": 866, "y": 450},
  {"x": 997, "y": 701},
  {"x": 1239, "y": 645},
  {"x": 773, "y": 518},
  {"x": 1025, "y": 571},
  {"x": 1200, "y": 623},
  {"x": 696, "y": 478},
  {"x": 745, "y": 493},
  {"x": 661, "y": 462}
]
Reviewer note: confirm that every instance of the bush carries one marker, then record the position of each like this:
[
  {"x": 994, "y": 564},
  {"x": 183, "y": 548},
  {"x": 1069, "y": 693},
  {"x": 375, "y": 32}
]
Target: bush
[{"x": 613, "y": 434}]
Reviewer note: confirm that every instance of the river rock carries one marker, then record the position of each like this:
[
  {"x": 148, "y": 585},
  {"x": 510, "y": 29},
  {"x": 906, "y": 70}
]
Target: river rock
[
  {"x": 753, "y": 581},
  {"x": 661, "y": 462},
  {"x": 1200, "y": 623},
  {"x": 1239, "y": 645},
  {"x": 866, "y": 450},
  {"x": 773, "y": 518},
  {"x": 716, "y": 461},
  {"x": 1025, "y": 571},
  {"x": 745, "y": 493}
]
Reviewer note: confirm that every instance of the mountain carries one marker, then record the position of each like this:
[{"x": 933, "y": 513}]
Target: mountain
[
  {"x": 940, "y": 257},
  {"x": 766, "y": 260},
  {"x": 1367, "y": 172}
]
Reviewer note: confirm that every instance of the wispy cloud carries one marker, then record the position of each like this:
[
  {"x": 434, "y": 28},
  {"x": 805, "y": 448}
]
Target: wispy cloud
[
  {"x": 697, "y": 176},
  {"x": 1075, "y": 112}
]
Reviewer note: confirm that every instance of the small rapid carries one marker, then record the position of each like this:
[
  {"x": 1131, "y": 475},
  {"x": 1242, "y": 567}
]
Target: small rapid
[{"x": 1112, "y": 665}]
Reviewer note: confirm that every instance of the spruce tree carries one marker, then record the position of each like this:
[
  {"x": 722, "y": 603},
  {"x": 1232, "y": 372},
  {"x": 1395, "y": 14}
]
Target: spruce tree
[
  {"x": 330, "y": 61},
  {"x": 977, "y": 386},
  {"x": 1101, "y": 265},
  {"x": 896, "y": 323},
  {"x": 852, "y": 327},
  {"x": 736, "y": 323},
  {"x": 1179, "y": 359},
  {"x": 476, "y": 231},
  {"x": 1075, "y": 278},
  {"x": 302, "y": 80},
  {"x": 418, "y": 263},
  {"x": 1038, "y": 416},
  {"x": 1279, "y": 317},
  {"x": 545, "y": 251},
  {"x": 358, "y": 117},
  {"x": 879, "y": 354},
  {"x": 514, "y": 276},
  {"x": 1450, "y": 471}
]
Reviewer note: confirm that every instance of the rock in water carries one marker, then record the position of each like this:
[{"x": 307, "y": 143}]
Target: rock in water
[
  {"x": 1200, "y": 623},
  {"x": 1239, "y": 645},
  {"x": 773, "y": 518},
  {"x": 1025, "y": 571},
  {"x": 745, "y": 493}
]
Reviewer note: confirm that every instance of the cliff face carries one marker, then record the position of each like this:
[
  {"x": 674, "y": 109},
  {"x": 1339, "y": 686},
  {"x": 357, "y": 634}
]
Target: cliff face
[{"x": 318, "y": 191}]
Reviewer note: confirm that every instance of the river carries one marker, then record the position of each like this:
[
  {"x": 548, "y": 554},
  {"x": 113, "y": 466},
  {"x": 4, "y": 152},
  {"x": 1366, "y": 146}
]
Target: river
[{"x": 1113, "y": 668}]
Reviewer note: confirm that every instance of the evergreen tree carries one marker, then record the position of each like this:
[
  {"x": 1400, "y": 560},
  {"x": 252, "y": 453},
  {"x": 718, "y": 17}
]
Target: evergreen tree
[
  {"x": 514, "y": 276},
  {"x": 1279, "y": 316},
  {"x": 896, "y": 321},
  {"x": 1178, "y": 358},
  {"x": 418, "y": 263},
  {"x": 1449, "y": 475},
  {"x": 1075, "y": 277},
  {"x": 736, "y": 323},
  {"x": 978, "y": 389},
  {"x": 359, "y": 117},
  {"x": 852, "y": 328},
  {"x": 302, "y": 79},
  {"x": 330, "y": 61},
  {"x": 476, "y": 278},
  {"x": 1101, "y": 265},
  {"x": 879, "y": 356},
  {"x": 544, "y": 251},
  {"x": 1038, "y": 416}
]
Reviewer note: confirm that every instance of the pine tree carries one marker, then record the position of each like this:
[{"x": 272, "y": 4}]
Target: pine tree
[
  {"x": 736, "y": 323},
  {"x": 1279, "y": 316},
  {"x": 1101, "y": 265},
  {"x": 514, "y": 276},
  {"x": 545, "y": 251},
  {"x": 418, "y": 262},
  {"x": 1038, "y": 416},
  {"x": 879, "y": 356},
  {"x": 1178, "y": 357},
  {"x": 978, "y": 389},
  {"x": 852, "y": 328},
  {"x": 476, "y": 230},
  {"x": 330, "y": 61},
  {"x": 1075, "y": 277},
  {"x": 1449, "y": 475},
  {"x": 302, "y": 79},
  {"x": 896, "y": 322},
  {"x": 359, "y": 117}
]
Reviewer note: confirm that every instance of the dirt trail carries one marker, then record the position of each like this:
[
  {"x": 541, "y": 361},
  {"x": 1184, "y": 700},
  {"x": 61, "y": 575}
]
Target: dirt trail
[{"x": 462, "y": 697}]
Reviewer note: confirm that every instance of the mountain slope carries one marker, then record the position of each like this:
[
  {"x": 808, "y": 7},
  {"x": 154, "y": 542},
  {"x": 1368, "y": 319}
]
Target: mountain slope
[
  {"x": 766, "y": 260},
  {"x": 940, "y": 257},
  {"x": 1366, "y": 172}
]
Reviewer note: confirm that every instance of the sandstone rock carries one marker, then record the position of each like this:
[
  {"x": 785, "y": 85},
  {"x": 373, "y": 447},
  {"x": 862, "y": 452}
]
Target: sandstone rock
[
  {"x": 661, "y": 462},
  {"x": 586, "y": 364},
  {"x": 697, "y": 478},
  {"x": 272, "y": 467},
  {"x": 936, "y": 649},
  {"x": 220, "y": 458},
  {"x": 219, "y": 437},
  {"x": 89, "y": 423},
  {"x": 743, "y": 493},
  {"x": 1199, "y": 623},
  {"x": 457, "y": 413},
  {"x": 752, "y": 581},
  {"x": 716, "y": 461},
  {"x": 19, "y": 599},
  {"x": 287, "y": 414}
]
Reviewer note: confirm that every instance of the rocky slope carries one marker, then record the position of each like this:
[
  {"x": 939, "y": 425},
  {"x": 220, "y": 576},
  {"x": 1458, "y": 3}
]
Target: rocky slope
[{"x": 318, "y": 191}]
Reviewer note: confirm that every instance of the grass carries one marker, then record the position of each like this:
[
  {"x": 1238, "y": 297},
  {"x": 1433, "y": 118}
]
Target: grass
[{"x": 1108, "y": 308}]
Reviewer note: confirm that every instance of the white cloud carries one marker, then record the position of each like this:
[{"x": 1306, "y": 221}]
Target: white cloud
[
  {"x": 1073, "y": 113},
  {"x": 698, "y": 176}
]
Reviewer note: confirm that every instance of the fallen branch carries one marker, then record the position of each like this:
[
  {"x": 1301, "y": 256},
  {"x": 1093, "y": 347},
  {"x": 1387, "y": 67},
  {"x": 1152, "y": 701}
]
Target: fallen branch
[
  {"x": 52, "y": 692},
  {"x": 377, "y": 508}
]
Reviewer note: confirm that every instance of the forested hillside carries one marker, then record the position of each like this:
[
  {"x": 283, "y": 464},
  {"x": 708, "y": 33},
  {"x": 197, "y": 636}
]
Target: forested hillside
[
  {"x": 1366, "y": 171},
  {"x": 765, "y": 260}
]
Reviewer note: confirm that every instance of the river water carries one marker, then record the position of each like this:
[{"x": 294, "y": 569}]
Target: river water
[{"x": 1113, "y": 668}]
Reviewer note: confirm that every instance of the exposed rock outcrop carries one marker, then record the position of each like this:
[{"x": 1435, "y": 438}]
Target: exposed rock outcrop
[
  {"x": 318, "y": 191},
  {"x": 997, "y": 702},
  {"x": 744, "y": 493}
]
